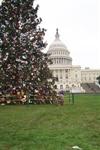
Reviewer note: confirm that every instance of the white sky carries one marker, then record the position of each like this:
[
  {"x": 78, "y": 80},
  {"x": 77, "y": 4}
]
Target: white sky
[{"x": 78, "y": 22}]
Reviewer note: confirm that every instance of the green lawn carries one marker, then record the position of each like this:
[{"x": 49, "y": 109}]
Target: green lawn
[{"x": 50, "y": 127}]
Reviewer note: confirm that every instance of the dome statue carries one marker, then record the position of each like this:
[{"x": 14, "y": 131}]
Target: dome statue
[{"x": 59, "y": 52}]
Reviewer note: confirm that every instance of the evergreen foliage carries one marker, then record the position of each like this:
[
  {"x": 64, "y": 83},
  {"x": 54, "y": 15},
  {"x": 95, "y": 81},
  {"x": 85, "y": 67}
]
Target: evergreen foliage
[
  {"x": 23, "y": 65},
  {"x": 98, "y": 78}
]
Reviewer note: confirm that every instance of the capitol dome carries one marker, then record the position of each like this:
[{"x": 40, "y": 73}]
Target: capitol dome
[{"x": 58, "y": 51}]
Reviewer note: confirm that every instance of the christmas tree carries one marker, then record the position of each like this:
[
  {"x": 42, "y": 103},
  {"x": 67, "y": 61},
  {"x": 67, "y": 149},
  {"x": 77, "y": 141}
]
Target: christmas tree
[{"x": 23, "y": 65}]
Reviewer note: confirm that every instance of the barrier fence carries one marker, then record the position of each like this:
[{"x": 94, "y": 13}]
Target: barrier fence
[{"x": 71, "y": 98}]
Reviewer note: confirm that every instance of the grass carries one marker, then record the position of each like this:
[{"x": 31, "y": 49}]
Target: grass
[{"x": 50, "y": 127}]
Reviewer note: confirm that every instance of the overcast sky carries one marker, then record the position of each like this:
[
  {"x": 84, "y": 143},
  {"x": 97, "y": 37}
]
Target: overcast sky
[{"x": 78, "y": 22}]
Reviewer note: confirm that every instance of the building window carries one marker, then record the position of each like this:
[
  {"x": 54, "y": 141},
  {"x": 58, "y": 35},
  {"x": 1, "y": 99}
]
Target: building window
[
  {"x": 67, "y": 86},
  {"x": 66, "y": 70},
  {"x": 66, "y": 76},
  {"x": 60, "y": 71},
  {"x": 61, "y": 87},
  {"x": 60, "y": 77},
  {"x": 75, "y": 75}
]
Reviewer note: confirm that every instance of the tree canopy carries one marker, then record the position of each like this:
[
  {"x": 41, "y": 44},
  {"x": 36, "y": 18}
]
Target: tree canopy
[
  {"x": 98, "y": 78},
  {"x": 23, "y": 65}
]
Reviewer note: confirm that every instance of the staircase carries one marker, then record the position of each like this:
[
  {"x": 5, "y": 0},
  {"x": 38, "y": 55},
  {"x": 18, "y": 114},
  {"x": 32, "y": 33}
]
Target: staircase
[{"x": 90, "y": 87}]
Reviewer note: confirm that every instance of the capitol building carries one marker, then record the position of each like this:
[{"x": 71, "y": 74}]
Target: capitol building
[{"x": 69, "y": 77}]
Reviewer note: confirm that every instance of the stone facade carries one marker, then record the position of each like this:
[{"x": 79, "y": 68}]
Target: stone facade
[
  {"x": 69, "y": 76},
  {"x": 89, "y": 75}
]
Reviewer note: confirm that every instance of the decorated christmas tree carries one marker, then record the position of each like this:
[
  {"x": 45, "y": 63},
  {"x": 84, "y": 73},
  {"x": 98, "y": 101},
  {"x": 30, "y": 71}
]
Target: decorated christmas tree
[{"x": 23, "y": 65}]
